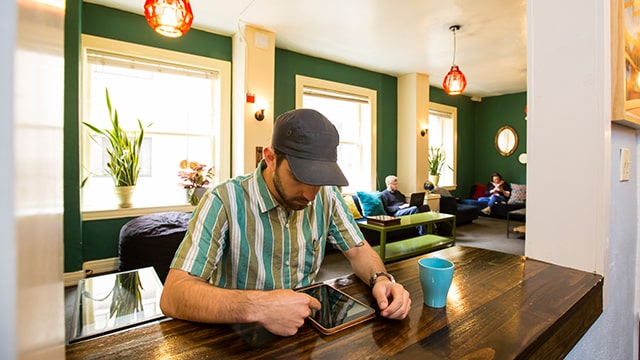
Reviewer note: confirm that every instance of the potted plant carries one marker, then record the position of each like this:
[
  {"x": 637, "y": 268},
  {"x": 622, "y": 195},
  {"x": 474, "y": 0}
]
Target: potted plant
[
  {"x": 436, "y": 163},
  {"x": 124, "y": 154},
  {"x": 195, "y": 179}
]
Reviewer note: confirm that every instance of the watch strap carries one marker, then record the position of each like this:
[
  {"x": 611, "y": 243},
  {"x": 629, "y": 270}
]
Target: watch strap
[{"x": 374, "y": 277}]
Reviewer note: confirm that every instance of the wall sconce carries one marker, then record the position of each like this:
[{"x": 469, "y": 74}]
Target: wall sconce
[
  {"x": 262, "y": 106},
  {"x": 424, "y": 132}
]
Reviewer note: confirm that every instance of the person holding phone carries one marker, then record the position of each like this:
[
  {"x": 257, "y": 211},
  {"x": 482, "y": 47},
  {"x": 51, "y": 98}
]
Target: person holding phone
[
  {"x": 498, "y": 191},
  {"x": 254, "y": 238}
]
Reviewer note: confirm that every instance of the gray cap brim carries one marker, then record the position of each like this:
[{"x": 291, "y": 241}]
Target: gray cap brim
[{"x": 316, "y": 172}]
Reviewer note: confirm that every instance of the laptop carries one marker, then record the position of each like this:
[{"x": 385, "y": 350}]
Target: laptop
[{"x": 416, "y": 199}]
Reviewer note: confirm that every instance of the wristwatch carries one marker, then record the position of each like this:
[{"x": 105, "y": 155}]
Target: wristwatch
[{"x": 374, "y": 277}]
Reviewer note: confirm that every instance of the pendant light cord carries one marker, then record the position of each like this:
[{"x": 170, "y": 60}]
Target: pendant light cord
[
  {"x": 454, "y": 46},
  {"x": 454, "y": 28}
]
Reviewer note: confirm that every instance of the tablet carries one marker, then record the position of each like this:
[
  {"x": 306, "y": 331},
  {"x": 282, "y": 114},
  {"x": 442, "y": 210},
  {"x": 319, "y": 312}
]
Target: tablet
[{"x": 339, "y": 310}]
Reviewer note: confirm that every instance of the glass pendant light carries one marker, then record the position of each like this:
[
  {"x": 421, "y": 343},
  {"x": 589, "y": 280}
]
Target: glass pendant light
[
  {"x": 171, "y": 18},
  {"x": 454, "y": 82}
]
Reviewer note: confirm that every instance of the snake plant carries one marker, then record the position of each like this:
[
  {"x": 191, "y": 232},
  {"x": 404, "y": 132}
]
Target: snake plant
[{"x": 123, "y": 151}]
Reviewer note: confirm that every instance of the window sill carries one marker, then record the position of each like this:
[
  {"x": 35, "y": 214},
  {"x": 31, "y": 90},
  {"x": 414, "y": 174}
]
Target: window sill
[{"x": 117, "y": 213}]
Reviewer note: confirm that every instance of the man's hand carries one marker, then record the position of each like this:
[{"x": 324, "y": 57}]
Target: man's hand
[
  {"x": 192, "y": 298},
  {"x": 393, "y": 300},
  {"x": 283, "y": 311},
  {"x": 403, "y": 206}
]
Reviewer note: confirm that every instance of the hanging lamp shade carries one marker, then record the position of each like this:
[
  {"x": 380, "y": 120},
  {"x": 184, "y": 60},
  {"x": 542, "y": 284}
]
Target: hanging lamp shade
[
  {"x": 454, "y": 82},
  {"x": 171, "y": 18}
]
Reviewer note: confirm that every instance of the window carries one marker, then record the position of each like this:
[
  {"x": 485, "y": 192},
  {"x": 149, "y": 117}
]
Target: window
[
  {"x": 443, "y": 133},
  {"x": 178, "y": 96},
  {"x": 349, "y": 108}
]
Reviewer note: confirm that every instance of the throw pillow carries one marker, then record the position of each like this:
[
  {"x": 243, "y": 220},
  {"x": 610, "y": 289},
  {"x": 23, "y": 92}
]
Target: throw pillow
[
  {"x": 348, "y": 199},
  {"x": 479, "y": 192},
  {"x": 371, "y": 203},
  {"x": 518, "y": 194}
]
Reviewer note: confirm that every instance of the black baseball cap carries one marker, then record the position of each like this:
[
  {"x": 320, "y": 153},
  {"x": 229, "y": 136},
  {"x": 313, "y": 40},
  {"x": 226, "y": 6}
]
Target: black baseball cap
[{"x": 310, "y": 142}]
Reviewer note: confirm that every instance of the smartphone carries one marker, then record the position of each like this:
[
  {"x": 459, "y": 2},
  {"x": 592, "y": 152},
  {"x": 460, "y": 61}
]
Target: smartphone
[{"x": 339, "y": 310}]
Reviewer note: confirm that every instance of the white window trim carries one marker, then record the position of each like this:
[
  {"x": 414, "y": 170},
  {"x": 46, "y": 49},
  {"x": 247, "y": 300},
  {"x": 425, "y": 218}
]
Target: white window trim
[
  {"x": 223, "y": 140},
  {"x": 304, "y": 81},
  {"x": 454, "y": 113}
]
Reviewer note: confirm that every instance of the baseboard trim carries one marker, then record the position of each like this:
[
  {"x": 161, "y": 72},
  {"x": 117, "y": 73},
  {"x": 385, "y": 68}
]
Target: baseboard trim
[{"x": 102, "y": 266}]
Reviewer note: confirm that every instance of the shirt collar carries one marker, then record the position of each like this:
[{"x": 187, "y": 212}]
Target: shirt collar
[{"x": 266, "y": 200}]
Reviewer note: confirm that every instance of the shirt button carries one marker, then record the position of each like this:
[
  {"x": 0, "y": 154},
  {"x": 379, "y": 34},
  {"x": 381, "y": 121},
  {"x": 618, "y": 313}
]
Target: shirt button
[{"x": 286, "y": 262}]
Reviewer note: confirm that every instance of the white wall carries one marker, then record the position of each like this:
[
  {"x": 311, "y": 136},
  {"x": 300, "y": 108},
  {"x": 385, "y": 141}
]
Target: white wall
[
  {"x": 578, "y": 214},
  {"x": 31, "y": 263},
  {"x": 614, "y": 335}
]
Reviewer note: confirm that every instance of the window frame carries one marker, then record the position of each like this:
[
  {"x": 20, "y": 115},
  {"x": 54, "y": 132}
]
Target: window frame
[
  {"x": 305, "y": 81},
  {"x": 222, "y": 108},
  {"x": 454, "y": 115}
]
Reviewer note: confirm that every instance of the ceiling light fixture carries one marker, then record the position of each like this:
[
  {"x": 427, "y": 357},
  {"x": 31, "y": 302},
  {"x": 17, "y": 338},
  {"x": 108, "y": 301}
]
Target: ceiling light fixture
[
  {"x": 454, "y": 82},
  {"x": 171, "y": 18}
]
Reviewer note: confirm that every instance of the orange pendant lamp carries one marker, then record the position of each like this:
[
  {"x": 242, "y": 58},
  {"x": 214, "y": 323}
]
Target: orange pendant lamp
[
  {"x": 171, "y": 18},
  {"x": 454, "y": 82}
]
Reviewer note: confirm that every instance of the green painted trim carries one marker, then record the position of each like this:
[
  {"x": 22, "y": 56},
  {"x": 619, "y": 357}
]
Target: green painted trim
[
  {"x": 289, "y": 64},
  {"x": 72, "y": 223}
]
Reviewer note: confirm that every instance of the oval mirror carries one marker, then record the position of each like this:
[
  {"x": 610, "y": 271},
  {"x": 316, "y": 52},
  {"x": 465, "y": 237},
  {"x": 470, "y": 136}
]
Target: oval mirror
[{"x": 506, "y": 140}]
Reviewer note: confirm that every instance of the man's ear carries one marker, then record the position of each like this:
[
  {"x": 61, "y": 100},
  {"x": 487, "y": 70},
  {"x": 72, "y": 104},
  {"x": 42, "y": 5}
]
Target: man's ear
[{"x": 269, "y": 156}]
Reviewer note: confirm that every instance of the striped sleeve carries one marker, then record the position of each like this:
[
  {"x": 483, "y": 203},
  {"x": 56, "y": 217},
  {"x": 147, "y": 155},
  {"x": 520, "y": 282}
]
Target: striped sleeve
[{"x": 343, "y": 229}]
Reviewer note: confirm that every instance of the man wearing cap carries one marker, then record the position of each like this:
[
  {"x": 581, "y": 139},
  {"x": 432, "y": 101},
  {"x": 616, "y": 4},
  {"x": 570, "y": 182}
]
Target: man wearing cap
[{"x": 255, "y": 237}]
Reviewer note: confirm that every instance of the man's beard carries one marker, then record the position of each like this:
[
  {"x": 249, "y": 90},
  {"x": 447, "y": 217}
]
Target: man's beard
[{"x": 296, "y": 203}]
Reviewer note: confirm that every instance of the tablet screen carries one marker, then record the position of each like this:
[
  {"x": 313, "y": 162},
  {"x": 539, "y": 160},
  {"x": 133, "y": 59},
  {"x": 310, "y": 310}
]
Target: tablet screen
[{"x": 338, "y": 308}]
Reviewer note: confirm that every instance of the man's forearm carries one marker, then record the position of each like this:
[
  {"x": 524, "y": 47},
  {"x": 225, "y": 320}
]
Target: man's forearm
[
  {"x": 191, "y": 298},
  {"x": 365, "y": 261}
]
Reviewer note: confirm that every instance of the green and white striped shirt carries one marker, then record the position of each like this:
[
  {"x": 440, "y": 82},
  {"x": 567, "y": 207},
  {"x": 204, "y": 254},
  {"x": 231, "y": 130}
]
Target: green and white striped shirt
[{"x": 240, "y": 237}]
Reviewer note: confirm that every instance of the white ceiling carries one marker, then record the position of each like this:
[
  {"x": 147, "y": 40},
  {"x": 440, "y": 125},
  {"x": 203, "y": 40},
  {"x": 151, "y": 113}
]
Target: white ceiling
[{"x": 392, "y": 37}]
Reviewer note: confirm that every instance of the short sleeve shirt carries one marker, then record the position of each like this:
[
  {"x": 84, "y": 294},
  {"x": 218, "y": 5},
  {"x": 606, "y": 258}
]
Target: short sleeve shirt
[{"x": 239, "y": 236}]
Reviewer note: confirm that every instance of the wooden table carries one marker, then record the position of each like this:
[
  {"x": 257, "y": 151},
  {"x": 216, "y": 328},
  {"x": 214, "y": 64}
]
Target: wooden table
[
  {"x": 500, "y": 306},
  {"x": 402, "y": 249}
]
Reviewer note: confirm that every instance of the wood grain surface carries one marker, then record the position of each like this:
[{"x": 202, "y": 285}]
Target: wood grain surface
[{"x": 500, "y": 306}]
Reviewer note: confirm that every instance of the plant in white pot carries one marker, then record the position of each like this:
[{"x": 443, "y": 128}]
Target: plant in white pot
[
  {"x": 124, "y": 154},
  {"x": 436, "y": 163},
  {"x": 195, "y": 179}
]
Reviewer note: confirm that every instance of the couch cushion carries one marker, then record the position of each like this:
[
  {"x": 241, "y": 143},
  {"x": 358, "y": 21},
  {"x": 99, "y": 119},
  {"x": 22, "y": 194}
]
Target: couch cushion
[
  {"x": 518, "y": 194},
  {"x": 479, "y": 191},
  {"x": 348, "y": 199},
  {"x": 371, "y": 203},
  {"x": 441, "y": 191}
]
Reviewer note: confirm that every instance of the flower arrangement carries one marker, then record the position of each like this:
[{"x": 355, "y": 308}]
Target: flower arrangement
[{"x": 194, "y": 176}]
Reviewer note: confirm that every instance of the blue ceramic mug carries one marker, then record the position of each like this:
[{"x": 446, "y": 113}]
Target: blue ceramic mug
[{"x": 436, "y": 275}]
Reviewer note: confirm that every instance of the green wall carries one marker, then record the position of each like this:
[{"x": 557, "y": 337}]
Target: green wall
[
  {"x": 290, "y": 64},
  {"x": 493, "y": 113},
  {"x": 98, "y": 239},
  {"x": 477, "y": 121}
]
